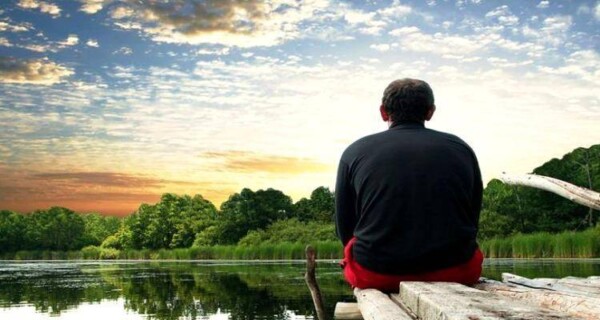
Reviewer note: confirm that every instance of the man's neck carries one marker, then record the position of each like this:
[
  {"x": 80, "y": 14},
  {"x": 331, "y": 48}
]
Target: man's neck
[{"x": 403, "y": 123}]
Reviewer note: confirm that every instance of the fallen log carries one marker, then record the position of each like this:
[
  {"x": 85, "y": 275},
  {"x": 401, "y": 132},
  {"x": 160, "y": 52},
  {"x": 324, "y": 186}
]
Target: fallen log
[{"x": 582, "y": 196}]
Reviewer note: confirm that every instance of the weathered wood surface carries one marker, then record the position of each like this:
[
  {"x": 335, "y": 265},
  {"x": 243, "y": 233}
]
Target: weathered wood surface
[
  {"x": 570, "y": 285},
  {"x": 576, "y": 306},
  {"x": 452, "y": 301},
  {"x": 347, "y": 311},
  {"x": 376, "y": 305},
  {"x": 572, "y": 192}
]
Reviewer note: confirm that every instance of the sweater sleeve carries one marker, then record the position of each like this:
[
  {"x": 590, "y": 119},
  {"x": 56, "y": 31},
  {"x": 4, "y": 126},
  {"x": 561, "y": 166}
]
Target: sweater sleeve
[
  {"x": 477, "y": 194},
  {"x": 345, "y": 204}
]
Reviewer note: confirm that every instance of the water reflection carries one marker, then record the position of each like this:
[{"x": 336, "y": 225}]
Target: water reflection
[
  {"x": 169, "y": 290},
  {"x": 192, "y": 290}
]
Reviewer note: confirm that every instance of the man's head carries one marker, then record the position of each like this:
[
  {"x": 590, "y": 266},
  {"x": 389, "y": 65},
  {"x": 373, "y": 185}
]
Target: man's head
[{"x": 407, "y": 100}]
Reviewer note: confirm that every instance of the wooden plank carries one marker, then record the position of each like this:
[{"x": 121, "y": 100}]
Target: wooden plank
[
  {"x": 453, "y": 301},
  {"x": 574, "y": 305},
  {"x": 347, "y": 311},
  {"x": 375, "y": 305},
  {"x": 574, "y": 286}
]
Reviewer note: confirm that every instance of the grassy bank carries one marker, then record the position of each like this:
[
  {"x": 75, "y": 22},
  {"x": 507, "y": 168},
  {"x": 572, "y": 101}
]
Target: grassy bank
[
  {"x": 584, "y": 244},
  {"x": 281, "y": 251}
]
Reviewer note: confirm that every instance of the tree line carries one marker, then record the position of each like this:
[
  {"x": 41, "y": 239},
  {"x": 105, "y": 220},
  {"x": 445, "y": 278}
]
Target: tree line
[
  {"x": 246, "y": 218},
  {"x": 252, "y": 217}
]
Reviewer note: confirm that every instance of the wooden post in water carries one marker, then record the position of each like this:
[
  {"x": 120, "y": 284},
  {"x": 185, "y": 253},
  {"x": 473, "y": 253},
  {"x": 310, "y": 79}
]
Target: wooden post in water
[{"x": 311, "y": 281}]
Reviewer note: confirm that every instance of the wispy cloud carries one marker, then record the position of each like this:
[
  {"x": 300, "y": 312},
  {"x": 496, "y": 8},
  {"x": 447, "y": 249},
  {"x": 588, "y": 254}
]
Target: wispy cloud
[
  {"x": 107, "y": 179},
  {"x": 6, "y": 24},
  {"x": 243, "y": 161}
]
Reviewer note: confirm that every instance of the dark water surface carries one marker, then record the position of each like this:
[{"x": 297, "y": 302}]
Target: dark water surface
[{"x": 198, "y": 290}]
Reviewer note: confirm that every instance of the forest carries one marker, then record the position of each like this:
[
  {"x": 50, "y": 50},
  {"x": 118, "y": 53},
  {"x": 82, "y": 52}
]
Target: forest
[{"x": 270, "y": 217}]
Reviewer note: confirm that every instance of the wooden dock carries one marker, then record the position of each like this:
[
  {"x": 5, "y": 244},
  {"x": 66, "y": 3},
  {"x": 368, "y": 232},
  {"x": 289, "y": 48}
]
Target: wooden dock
[{"x": 514, "y": 297}]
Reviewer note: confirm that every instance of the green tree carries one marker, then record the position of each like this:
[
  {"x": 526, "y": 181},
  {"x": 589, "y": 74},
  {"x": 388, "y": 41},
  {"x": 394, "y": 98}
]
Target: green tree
[
  {"x": 249, "y": 210},
  {"x": 54, "y": 229},
  {"x": 319, "y": 207},
  {"x": 98, "y": 228},
  {"x": 171, "y": 223},
  {"x": 12, "y": 227}
]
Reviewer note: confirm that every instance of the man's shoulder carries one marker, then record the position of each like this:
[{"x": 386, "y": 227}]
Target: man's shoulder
[
  {"x": 447, "y": 135},
  {"x": 363, "y": 144}
]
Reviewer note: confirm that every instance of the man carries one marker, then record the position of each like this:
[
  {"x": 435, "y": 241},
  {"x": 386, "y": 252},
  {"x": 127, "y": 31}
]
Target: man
[{"x": 408, "y": 199}]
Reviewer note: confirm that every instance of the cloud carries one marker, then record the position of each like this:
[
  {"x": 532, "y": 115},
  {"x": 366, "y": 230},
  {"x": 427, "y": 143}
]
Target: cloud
[
  {"x": 597, "y": 11},
  {"x": 124, "y": 51},
  {"x": 413, "y": 39},
  {"x": 71, "y": 40},
  {"x": 553, "y": 31},
  {"x": 38, "y": 47},
  {"x": 503, "y": 15},
  {"x": 251, "y": 162},
  {"x": 217, "y": 52},
  {"x": 93, "y": 6},
  {"x": 243, "y": 23},
  {"x": 92, "y": 43},
  {"x": 543, "y": 4},
  {"x": 7, "y": 25},
  {"x": 5, "y": 43},
  {"x": 380, "y": 47},
  {"x": 121, "y": 12},
  {"x": 43, "y": 6},
  {"x": 32, "y": 71}
]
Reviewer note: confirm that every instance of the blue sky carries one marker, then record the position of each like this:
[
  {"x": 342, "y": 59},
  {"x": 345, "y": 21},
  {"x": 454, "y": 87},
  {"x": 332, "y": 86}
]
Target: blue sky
[{"x": 105, "y": 104}]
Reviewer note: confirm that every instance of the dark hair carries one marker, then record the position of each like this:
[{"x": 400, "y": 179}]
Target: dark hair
[{"x": 407, "y": 100}]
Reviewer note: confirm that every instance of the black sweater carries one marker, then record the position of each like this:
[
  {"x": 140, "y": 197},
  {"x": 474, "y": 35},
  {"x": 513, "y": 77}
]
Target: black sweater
[{"x": 412, "y": 198}]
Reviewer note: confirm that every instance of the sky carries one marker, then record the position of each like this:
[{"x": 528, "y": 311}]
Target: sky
[{"x": 106, "y": 104}]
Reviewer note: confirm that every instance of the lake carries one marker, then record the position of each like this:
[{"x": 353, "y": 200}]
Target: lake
[{"x": 199, "y": 290}]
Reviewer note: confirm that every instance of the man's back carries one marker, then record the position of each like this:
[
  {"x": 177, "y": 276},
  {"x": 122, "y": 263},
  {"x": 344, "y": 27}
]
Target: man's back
[{"x": 412, "y": 197}]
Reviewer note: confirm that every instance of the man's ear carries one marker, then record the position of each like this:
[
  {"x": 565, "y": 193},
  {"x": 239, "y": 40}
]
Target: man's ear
[
  {"x": 384, "y": 115},
  {"x": 430, "y": 113}
]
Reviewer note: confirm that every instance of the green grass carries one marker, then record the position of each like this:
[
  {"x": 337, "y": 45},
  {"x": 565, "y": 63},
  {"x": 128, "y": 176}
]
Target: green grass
[
  {"x": 280, "y": 251},
  {"x": 568, "y": 244}
]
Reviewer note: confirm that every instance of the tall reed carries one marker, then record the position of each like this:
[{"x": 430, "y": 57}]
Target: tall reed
[{"x": 568, "y": 244}]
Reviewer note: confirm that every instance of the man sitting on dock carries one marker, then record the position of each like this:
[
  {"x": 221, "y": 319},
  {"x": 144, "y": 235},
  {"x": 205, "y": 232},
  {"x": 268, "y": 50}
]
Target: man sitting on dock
[{"x": 408, "y": 199}]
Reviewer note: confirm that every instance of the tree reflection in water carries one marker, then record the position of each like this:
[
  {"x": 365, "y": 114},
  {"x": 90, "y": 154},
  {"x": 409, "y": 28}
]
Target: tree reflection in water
[{"x": 162, "y": 290}]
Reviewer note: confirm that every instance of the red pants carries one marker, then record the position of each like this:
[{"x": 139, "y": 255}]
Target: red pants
[{"x": 359, "y": 277}]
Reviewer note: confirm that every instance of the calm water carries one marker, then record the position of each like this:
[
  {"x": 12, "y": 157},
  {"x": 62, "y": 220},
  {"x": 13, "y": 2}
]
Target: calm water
[{"x": 197, "y": 290}]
